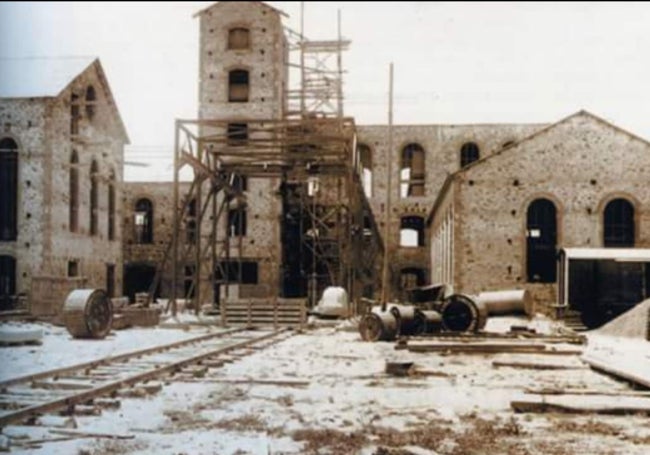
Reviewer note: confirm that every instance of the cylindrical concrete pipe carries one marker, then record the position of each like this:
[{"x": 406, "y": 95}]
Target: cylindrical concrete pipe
[
  {"x": 427, "y": 321},
  {"x": 405, "y": 317},
  {"x": 88, "y": 313},
  {"x": 507, "y": 302},
  {"x": 378, "y": 325},
  {"x": 462, "y": 313}
]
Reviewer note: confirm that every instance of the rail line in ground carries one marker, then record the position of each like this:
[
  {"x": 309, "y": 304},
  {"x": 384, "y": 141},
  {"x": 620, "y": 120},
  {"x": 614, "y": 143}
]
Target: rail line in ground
[{"x": 30, "y": 396}]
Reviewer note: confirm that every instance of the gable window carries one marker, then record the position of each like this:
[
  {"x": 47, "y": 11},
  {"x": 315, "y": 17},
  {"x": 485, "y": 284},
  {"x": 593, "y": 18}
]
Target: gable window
[
  {"x": 75, "y": 115},
  {"x": 73, "y": 220},
  {"x": 143, "y": 221},
  {"x": 412, "y": 171},
  {"x": 411, "y": 232},
  {"x": 469, "y": 153},
  {"x": 238, "y": 86},
  {"x": 238, "y": 38},
  {"x": 94, "y": 198},
  {"x": 8, "y": 189},
  {"x": 541, "y": 241},
  {"x": 618, "y": 224},
  {"x": 91, "y": 102},
  {"x": 365, "y": 160}
]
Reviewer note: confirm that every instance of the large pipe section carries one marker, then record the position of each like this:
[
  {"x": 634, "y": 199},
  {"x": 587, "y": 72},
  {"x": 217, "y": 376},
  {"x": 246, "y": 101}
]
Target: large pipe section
[
  {"x": 463, "y": 313},
  {"x": 507, "y": 302}
]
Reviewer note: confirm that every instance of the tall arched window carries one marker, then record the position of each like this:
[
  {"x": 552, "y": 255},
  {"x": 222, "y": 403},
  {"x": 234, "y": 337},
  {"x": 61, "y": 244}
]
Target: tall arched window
[
  {"x": 618, "y": 224},
  {"x": 411, "y": 231},
  {"x": 143, "y": 221},
  {"x": 8, "y": 189},
  {"x": 91, "y": 102},
  {"x": 7, "y": 282},
  {"x": 365, "y": 159},
  {"x": 469, "y": 153},
  {"x": 94, "y": 198},
  {"x": 541, "y": 233},
  {"x": 73, "y": 220},
  {"x": 412, "y": 173},
  {"x": 238, "y": 86},
  {"x": 238, "y": 38},
  {"x": 111, "y": 205}
]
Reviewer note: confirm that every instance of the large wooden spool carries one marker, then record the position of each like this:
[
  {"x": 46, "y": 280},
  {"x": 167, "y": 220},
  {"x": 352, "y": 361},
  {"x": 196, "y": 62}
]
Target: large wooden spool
[{"x": 88, "y": 313}]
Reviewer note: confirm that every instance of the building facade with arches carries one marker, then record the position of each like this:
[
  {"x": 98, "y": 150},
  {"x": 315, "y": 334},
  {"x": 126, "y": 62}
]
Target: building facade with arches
[
  {"x": 578, "y": 183},
  {"x": 61, "y": 164}
]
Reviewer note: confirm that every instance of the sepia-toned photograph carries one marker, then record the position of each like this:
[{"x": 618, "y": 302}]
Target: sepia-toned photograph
[{"x": 365, "y": 228}]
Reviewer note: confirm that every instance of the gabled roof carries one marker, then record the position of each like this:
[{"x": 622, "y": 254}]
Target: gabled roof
[
  {"x": 47, "y": 77},
  {"x": 546, "y": 129},
  {"x": 39, "y": 77},
  {"x": 451, "y": 177},
  {"x": 204, "y": 10}
]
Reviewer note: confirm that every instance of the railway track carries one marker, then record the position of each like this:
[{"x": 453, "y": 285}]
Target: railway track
[{"x": 26, "y": 398}]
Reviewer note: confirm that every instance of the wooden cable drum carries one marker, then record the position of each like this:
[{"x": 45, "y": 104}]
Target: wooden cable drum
[
  {"x": 461, "y": 313},
  {"x": 88, "y": 313},
  {"x": 378, "y": 326}
]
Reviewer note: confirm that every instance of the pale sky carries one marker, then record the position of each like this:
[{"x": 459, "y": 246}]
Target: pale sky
[{"x": 454, "y": 62}]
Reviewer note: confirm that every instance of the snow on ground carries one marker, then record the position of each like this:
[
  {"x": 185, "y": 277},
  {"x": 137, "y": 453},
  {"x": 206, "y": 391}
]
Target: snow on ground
[
  {"x": 459, "y": 405},
  {"x": 59, "y": 349}
]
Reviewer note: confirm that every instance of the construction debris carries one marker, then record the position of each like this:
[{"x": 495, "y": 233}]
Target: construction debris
[
  {"x": 378, "y": 325},
  {"x": 12, "y": 335},
  {"x": 633, "y": 323},
  {"x": 585, "y": 405}
]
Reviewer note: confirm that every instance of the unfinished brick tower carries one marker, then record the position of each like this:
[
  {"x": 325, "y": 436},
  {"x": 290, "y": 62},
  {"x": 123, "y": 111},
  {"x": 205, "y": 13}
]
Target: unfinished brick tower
[{"x": 276, "y": 211}]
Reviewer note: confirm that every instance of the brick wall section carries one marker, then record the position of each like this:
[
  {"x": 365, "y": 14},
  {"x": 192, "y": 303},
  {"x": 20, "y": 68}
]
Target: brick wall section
[{"x": 442, "y": 144}]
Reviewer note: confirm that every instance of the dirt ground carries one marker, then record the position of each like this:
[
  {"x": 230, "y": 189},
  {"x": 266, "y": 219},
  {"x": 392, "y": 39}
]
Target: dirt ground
[{"x": 337, "y": 399}]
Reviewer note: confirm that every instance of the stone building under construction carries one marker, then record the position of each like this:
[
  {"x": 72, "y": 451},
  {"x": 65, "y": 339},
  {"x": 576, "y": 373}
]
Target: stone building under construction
[{"x": 287, "y": 195}]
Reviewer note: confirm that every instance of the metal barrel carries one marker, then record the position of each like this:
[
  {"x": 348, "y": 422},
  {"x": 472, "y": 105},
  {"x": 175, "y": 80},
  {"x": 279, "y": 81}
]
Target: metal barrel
[
  {"x": 508, "y": 302},
  {"x": 427, "y": 321},
  {"x": 88, "y": 313},
  {"x": 462, "y": 313},
  {"x": 378, "y": 326},
  {"x": 405, "y": 317}
]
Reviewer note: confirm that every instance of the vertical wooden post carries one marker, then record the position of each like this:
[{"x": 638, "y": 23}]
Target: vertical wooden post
[{"x": 387, "y": 217}]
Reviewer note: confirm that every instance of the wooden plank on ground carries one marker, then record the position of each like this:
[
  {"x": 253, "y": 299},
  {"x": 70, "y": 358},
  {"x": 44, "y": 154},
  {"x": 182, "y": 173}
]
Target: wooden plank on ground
[
  {"x": 571, "y": 405},
  {"x": 534, "y": 365},
  {"x": 627, "y": 371}
]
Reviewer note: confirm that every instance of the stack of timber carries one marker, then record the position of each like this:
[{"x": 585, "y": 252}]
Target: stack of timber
[{"x": 264, "y": 312}]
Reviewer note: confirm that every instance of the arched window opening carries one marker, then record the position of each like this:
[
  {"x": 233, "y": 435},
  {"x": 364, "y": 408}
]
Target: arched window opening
[
  {"x": 111, "y": 206},
  {"x": 412, "y": 173},
  {"x": 237, "y": 222},
  {"x": 618, "y": 224},
  {"x": 7, "y": 283},
  {"x": 8, "y": 189},
  {"x": 238, "y": 86},
  {"x": 191, "y": 222},
  {"x": 73, "y": 220},
  {"x": 237, "y": 134},
  {"x": 541, "y": 234},
  {"x": 94, "y": 198},
  {"x": 238, "y": 38},
  {"x": 91, "y": 102},
  {"x": 143, "y": 221},
  {"x": 469, "y": 153},
  {"x": 365, "y": 159},
  {"x": 411, "y": 232},
  {"x": 75, "y": 114}
]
